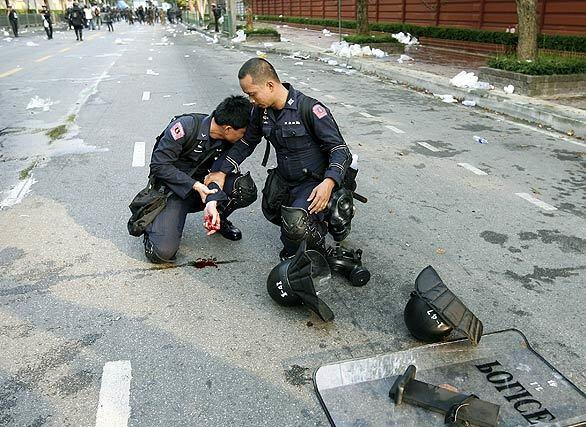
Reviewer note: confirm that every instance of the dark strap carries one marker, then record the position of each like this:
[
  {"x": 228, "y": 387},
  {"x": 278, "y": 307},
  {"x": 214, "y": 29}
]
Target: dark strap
[
  {"x": 265, "y": 157},
  {"x": 458, "y": 407}
]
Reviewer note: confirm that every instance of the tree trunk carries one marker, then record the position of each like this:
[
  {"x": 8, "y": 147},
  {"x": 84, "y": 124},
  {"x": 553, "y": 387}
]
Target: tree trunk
[
  {"x": 362, "y": 17},
  {"x": 249, "y": 15},
  {"x": 528, "y": 29}
]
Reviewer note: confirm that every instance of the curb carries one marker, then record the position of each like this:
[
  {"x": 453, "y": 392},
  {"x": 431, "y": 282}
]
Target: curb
[{"x": 562, "y": 119}]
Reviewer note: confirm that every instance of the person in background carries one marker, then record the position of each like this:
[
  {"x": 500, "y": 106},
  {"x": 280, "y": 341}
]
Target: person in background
[
  {"x": 107, "y": 18},
  {"x": 13, "y": 18},
  {"x": 89, "y": 17},
  {"x": 47, "y": 22},
  {"x": 76, "y": 17}
]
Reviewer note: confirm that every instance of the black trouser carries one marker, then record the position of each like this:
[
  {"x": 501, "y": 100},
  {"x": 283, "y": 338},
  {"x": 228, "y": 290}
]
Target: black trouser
[
  {"x": 78, "y": 31},
  {"x": 14, "y": 25},
  {"x": 110, "y": 26},
  {"x": 163, "y": 235},
  {"x": 49, "y": 31}
]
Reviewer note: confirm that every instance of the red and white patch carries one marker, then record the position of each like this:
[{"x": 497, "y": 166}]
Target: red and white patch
[
  {"x": 319, "y": 111},
  {"x": 177, "y": 131}
]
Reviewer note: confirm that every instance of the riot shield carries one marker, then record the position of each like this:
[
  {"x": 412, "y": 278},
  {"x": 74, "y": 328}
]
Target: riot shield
[{"x": 503, "y": 369}]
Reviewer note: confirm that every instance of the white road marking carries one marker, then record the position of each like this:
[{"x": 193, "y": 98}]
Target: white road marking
[
  {"x": 347, "y": 105},
  {"x": 370, "y": 116},
  {"x": 17, "y": 193},
  {"x": 396, "y": 130},
  {"x": 536, "y": 202},
  {"x": 472, "y": 168},
  {"x": 293, "y": 78},
  {"x": 315, "y": 89},
  {"x": 114, "y": 402},
  {"x": 581, "y": 144},
  {"x": 138, "y": 156},
  {"x": 331, "y": 97},
  {"x": 150, "y": 58},
  {"x": 146, "y": 96},
  {"x": 304, "y": 84},
  {"x": 428, "y": 146}
]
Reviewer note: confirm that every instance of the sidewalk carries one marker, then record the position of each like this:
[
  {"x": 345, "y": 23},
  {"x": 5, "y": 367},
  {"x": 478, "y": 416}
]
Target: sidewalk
[{"x": 431, "y": 71}]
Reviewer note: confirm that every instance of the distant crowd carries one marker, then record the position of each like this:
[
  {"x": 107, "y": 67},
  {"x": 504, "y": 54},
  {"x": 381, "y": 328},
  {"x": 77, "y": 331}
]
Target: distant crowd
[{"x": 92, "y": 17}]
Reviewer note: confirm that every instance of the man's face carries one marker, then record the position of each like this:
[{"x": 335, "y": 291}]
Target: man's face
[
  {"x": 232, "y": 135},
  {"x": 260, "y": 95}
]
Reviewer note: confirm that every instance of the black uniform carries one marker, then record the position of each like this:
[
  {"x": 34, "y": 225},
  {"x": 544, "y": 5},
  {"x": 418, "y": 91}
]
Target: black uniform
[
  {"x": 77, "y": 18},
  {"x": 316, "y": 146},
  {"x": 13, "y": 18},
  {"x": 170, "y": 168}
]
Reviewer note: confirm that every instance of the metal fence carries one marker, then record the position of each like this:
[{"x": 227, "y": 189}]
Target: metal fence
[{"x": 29, "y": 19}]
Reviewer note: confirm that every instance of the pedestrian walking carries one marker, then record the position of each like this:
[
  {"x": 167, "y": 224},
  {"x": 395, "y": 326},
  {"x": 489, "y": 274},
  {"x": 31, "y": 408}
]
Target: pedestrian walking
[
  {"x": 107, "y": 18},
  {"x": 47, "y": 22},
  {"x": 76, "y": 17},
  {"x": 217, "y": 12},
  {"x": 89, "y": 17},
  {"x": 13, "y": 18},
  {"x": 98, "y": 17}
]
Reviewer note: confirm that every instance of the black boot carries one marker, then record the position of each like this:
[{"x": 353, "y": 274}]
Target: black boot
[{"x": 228, "y": 230}]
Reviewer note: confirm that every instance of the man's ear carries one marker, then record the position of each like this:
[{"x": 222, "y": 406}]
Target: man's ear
[{"x": 271, "y": 85}]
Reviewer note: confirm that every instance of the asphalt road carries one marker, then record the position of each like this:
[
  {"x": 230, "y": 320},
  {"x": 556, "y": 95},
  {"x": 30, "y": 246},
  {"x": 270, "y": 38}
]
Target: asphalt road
[{"x": 208, "y": 346}]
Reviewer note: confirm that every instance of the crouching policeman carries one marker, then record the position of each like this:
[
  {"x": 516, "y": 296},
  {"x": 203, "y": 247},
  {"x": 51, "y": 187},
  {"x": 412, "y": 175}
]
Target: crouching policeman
[{"x": 183, "y": 155}]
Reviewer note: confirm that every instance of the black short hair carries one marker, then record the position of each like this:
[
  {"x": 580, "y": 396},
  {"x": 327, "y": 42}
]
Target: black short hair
[
  {"x": 233, "y": 111},
  {"x": 259, "y": 69}
]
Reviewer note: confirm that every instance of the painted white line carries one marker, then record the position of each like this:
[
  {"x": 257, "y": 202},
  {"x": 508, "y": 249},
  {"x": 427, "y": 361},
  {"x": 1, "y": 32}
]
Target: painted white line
[
  {"x": 429, "y": 147},
  {"x": 17, "y": 193},
  {"x": 293, "y": 78},
  {"x": 315, "y": 89},
  {"x": 304, "y": 84},
  {"x": 472, "y": 168},
  {"x": 536, "y": 202},
  {"x": 370, "y": 116},
  {"x": 396, "y": 129},
  {"x": 581, "y": 144},
  {"x": 284, "y": 74},
  {"x": 146, "y": 96},
  {"x": 114, "y": 403},
  {"x": 331, "y": 97},
  {"x": 138, "y": 156}
]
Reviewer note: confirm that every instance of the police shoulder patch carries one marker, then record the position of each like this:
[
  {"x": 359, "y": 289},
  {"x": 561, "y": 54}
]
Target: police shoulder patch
[
  {"x": 319, "y": 111},
  {"x": 177, "y": 131}
]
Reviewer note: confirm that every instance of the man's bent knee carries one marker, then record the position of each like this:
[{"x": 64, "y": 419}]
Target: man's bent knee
[{"x": 157, "y": 254}]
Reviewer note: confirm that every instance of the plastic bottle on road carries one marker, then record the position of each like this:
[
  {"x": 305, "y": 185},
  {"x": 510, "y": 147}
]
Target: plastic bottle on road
[{"x": 480, "y": 140}]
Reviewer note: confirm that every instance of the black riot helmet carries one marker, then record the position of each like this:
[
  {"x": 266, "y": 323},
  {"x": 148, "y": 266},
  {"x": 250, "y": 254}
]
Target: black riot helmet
[
  {"x": 434, "y": 311},
  {"x": 292, "y": 281},
  {"x": 423, "y": 322}
]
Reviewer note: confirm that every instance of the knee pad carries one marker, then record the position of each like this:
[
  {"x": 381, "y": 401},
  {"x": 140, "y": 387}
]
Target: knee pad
[
  {"x": 295, "y": 223},
  {"x": 244, "y": 192},
  {"x": 154, "y": 255},
  {"x": 341, "y": 211},
  {"x": 297, "y": 227}
]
